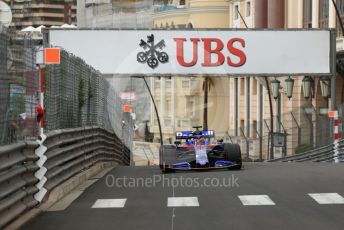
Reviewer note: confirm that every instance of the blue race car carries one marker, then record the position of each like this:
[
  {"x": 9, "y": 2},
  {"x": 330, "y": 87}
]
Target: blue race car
[{"x": 197, "y": 153}]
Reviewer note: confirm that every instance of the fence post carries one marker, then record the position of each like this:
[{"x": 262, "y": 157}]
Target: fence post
[
  {"x": 269, "y": 140},
  {"x": 247, "y": 145},
  {"x": 298, "y": 129},
  {"x": 41, "y": 97},
  {"x": 336, "y": 135}
]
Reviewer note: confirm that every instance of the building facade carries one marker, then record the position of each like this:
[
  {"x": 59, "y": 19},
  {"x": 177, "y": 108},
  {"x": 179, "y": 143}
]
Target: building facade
[
  {"x": 239, "y": 107},
  {"x": 180, "y": 99},
  {"x": 115, "y": 13},
  {"x": 36, "y": 13}
]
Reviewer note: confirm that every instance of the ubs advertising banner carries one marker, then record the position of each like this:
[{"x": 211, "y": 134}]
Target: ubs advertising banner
[{"x": 199, "y": 52}]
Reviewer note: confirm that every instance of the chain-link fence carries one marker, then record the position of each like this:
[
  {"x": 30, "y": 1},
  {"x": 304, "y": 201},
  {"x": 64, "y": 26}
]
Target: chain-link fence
[
  {"x": 77, "y": 95},
  {"x": 18, "y": 86},
  {"x": 297, "y": 131}
]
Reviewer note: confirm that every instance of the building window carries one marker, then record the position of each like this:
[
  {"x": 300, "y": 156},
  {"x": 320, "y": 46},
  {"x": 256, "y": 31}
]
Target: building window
[
  {"x": 182, "y": 2},
  {"x": 157, "y": 102},
  {"x": 185, "y": 84},
  {"x": 168, "y": 83},
  {"x": 248, "y": 9},
  {"x": 324, "y": 13},
  {"x": 157, "y": 83},
  {"x": 168, "y": 108},
  {"x": 307, "y": 13},
  {"x": 183, "y": 123},
  {"x": 190, "y": 107},
  {"x": 167, "y": 122},
  {"x": 340, "y": 5},
  {"x": 236, "y": 12}
]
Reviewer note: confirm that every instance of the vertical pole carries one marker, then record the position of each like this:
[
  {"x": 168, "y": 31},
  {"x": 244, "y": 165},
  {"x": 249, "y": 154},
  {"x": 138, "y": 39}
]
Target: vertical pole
[
  {"x": 236, "y": 102},
  {"x": 248, "y": 106},
  {"x": 278, "y": 109},
  {"x": 333, "y": 69},
  {"x": 298, "y": 129},
  {"x": 336, "y": 136},
  {"x": 285, "y": 145},
  {"x": 156, "y": 111},
  {"x": 260, "y": 122},
  {"x": 41, "y": 96},
  {"x": 271, "y": 120},
  {"x": 247, "y": 115}
]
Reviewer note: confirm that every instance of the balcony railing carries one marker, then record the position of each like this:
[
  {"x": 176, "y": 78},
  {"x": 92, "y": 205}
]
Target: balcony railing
[
  {"x": 168, "y": 8},
  {"x": 340, "y": 44}
]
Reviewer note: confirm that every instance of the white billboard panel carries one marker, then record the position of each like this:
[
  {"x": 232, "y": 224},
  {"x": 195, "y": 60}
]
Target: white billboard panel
[{"x": 214, "y": 52}]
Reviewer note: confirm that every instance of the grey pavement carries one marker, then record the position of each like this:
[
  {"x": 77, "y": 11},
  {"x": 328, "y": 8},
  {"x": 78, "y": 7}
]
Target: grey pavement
[{"x": 287, "y": 185}]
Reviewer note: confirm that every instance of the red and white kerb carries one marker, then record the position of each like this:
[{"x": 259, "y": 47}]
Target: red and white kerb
[{"x": 336, "y": 134}]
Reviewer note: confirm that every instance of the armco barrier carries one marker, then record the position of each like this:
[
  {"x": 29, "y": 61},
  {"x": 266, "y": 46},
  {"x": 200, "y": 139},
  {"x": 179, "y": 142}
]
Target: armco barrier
[
  {"x": 29, "y": 170},
  {"x": 323, "y": 154}
]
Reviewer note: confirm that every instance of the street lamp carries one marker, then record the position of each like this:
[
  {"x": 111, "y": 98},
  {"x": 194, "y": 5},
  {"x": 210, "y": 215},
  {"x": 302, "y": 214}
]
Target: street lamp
[
  {"x": 325, "y": 83},
  {"x": 290, "y": 86},
  {"x": 306, "y": 85},
  {"x": 275, "y": 85}
]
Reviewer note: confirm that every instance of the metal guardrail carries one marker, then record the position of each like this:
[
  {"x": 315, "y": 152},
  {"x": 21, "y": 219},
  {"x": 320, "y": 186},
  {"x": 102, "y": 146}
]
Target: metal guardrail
[
  {"x": 28, "y": 168},
  {"x": 17, "y": 180},
  {"x": 323, "y": 154}
]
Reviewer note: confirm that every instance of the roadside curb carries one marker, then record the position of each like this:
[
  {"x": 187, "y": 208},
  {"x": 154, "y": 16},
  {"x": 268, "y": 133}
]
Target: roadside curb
[{"x": 61, "y": 191}]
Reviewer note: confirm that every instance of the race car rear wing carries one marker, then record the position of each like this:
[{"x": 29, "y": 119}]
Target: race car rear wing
[{"x": 191, "y": 134}]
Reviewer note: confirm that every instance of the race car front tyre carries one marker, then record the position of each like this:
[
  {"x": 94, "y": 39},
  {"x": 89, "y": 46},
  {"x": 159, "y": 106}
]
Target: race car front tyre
[{"x": 233, "y": 154}]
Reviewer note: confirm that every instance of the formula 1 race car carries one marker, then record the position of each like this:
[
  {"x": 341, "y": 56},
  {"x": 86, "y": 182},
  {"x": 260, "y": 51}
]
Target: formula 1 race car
[{"x": 197, "y": 153}]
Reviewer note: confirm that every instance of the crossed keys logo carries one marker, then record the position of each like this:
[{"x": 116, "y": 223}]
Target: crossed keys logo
[{"x": 153, "y": 52}]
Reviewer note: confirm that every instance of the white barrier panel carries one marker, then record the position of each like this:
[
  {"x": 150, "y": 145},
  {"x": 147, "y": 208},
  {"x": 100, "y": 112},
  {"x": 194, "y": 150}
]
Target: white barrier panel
[{"x": 215, "y": 52}]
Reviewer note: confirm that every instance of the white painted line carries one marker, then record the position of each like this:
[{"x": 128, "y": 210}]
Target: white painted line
[
  {"x": 327, "y": 198},
  {"x": 109, "y": 203},
  {"x": 256, "y": 200},
  {"x": 182, "y": 202}
]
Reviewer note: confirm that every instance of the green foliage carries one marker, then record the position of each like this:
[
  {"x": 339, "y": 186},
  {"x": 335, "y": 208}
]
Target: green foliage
[
  {"x": 211, "y": 83},
  {"x": 81, "y": 94},
  {"x": 303, "y": 148}
]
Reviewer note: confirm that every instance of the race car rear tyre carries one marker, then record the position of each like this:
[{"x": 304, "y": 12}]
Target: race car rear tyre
[
  {"x": 233, "y": 153},
  {"x": 168, "y": 151}
]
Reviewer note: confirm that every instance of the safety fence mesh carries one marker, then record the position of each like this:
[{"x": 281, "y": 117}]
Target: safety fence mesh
[
  {"x": 297, "y": 131},
  {"x": 77, "y": 95},
  {"x": 18, "y": 86}
]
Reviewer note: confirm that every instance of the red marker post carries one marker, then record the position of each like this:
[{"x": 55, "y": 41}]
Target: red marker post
[{"x": 336, "y": 134}]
